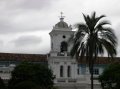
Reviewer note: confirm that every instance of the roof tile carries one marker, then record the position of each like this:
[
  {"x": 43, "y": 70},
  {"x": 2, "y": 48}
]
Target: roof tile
[{"x": 23, "y": 57}]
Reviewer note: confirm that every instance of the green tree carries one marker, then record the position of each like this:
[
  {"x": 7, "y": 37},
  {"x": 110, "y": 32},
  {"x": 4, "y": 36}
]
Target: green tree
[
  {"x": 91, "y": 39},
  {"x": 29, "y": 74},
  {"x": 110, "y": 78},
  {"x": 26, "y": 85},
  {"x": 2, "y": 85}
]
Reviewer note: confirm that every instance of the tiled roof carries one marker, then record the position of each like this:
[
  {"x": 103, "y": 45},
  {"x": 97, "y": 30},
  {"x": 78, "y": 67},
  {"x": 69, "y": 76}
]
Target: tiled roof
[
  {"x": 23, "y": 57},
  {"x": 101, "y": 60},
  {"x": 43, "y": 58}
]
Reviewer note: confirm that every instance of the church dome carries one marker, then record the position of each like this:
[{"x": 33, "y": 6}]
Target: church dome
[{"x": 61, "y": 24}]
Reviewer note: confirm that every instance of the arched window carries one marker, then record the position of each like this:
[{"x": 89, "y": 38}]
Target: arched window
[
  {"x": 63, "y": 47},
  {"x": 61, "y": 71},
  {"x": 69, "y": 71}
]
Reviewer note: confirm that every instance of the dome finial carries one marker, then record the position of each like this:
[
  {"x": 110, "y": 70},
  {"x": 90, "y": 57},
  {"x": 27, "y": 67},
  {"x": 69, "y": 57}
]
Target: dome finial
[{"x": 61, "y": 17}]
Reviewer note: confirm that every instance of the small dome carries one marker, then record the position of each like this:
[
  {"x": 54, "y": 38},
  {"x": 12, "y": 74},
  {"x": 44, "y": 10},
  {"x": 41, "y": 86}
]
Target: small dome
[{"x": 61, "y": 24}]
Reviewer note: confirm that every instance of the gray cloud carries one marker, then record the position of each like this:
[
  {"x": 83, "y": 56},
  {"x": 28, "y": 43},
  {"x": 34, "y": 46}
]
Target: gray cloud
[
  {"x": 1, "y": 43},
  {"x": 35, "y": 4},
  {"x": 25, "y": 4},
  {"x": 25, "y": 41},
  {"x": 18, "y": 17},
  {"x": 23, "y": 15}
]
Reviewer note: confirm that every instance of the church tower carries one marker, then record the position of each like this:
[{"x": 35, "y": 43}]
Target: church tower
[
  {"x": 63, "y": 66},
  {"x": 59, "y": 36}
]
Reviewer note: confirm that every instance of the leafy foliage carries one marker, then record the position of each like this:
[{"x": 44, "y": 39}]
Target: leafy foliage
[
  {"x": 110, "y": 78},
  {"x": 2, "y": 85},
  {"x": 36, "y": 74},
  {"x": 25, "y": 85}
]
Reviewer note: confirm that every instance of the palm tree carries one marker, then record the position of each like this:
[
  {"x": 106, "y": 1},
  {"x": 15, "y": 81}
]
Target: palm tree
[{"x": 91, "y": 39}]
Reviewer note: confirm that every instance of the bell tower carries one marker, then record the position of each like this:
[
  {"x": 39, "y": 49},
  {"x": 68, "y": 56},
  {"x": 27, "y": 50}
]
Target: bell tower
[
  {"x": 63, "y": 66},
  {"x": 60, "y": 34}
]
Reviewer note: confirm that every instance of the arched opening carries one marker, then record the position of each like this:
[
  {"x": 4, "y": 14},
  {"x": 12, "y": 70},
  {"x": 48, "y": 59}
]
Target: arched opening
[
  {"x": 63, "y": 47},
  {"x": 61, "y": 71},
  {"x": 69, "y": 71}
]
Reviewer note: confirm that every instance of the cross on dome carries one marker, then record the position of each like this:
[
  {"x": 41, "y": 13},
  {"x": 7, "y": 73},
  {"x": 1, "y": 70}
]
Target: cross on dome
[{"x": 61, "y": 17}]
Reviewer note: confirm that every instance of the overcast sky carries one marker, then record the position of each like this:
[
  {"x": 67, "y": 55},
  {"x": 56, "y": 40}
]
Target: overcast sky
[{"x": 25, "y": 24}]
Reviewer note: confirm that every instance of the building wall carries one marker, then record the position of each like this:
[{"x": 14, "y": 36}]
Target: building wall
[{"x": 6, "y": 67}]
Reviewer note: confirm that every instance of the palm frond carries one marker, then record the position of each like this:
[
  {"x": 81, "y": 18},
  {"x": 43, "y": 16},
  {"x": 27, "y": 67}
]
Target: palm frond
[
  {"x": 82, "y": 27},
  {"x": 100, "y": 17},
  {"x": 111, "y": 49},
  {"x": 74, "y": 49},
  {"x": 93, "y": 15},
  {"x": 85, "y": 18},
  {"x": 100, "y": 24},
  {"x": 108, "y": 34},
  {"x": 100, "y": 46}
]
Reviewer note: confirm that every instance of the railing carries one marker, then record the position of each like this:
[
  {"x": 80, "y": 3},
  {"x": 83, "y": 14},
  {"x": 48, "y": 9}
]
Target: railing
[
  {"x": 63, "y": 54},
  {"x": 60, "y": 54}
]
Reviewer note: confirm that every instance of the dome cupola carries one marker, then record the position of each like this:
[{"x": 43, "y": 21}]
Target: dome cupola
[{"x": 61, "y": 24}]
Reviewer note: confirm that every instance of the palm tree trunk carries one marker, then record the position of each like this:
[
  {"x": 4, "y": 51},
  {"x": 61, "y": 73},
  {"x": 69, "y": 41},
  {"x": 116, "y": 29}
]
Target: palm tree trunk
[
  {"x": 92, "y": 78},
  {"x": 92, "y": 82}
]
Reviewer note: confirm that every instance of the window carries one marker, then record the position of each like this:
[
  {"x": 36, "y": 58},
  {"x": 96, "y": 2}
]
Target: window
[
  {"x": 1, "y": 71},
  {"x": 78, "y": 71},
  {"x": 83, "y": 70},
  {"x": 63, "y": 47},
  {"x": 2, "y": 65},
  {"x": 96, "y": 71},
  {"x": 64, "y": 36},
  {"x": 61, "y": 71},
  {"x": 69, "y": 71}
]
